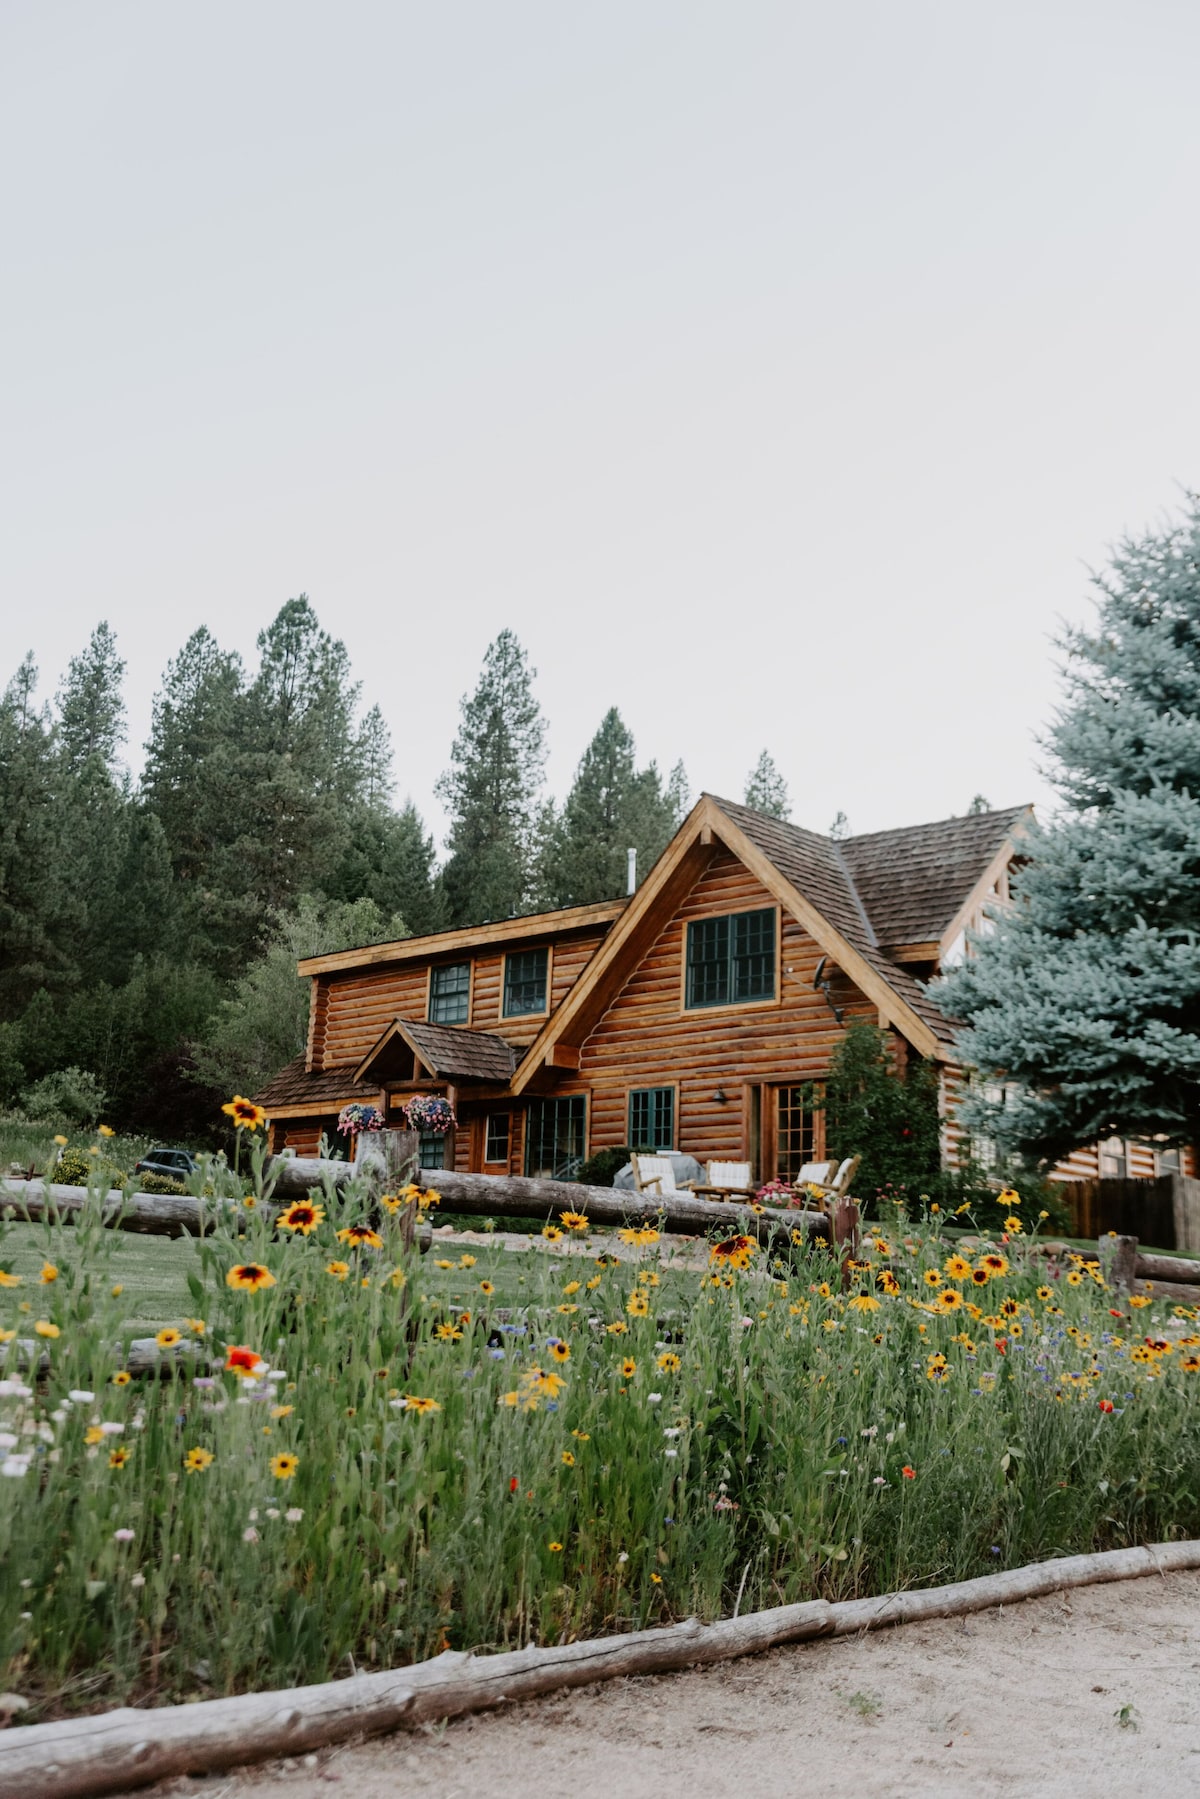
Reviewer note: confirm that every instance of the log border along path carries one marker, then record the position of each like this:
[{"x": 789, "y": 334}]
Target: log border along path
[{"x": 116, "y": 1750}]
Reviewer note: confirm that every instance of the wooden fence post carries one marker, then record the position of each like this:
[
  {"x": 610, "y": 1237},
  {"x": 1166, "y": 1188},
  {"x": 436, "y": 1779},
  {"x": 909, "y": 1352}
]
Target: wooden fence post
[
  {"x": 846, "y": 1234},
  {"x": 1122, "y": 1270}
]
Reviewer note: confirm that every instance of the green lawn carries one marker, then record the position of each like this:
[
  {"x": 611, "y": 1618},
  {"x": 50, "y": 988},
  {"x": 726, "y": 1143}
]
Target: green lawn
[{"x": 153, "y": 1271}]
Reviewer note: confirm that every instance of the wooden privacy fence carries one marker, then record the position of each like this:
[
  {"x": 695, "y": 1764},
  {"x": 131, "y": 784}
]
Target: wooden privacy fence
[{"x": 1165, "y": 1212}]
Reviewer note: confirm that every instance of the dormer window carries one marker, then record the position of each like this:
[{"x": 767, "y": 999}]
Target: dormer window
[
  {"x": 525, "y": 982},
  {"x": 450, "y": 993}
]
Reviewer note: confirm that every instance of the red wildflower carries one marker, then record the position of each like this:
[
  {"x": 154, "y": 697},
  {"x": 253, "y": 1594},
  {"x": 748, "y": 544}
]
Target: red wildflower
[
  {"x": 1114, "y": 1313},
  {"x": 243, "y": 1361},
  {"x": 513, "y": 1484},
  {"x": 1002, "y": 1345},
  {"x": 1106, "y": 1405},
  {"x": 908, "y": 1473}
]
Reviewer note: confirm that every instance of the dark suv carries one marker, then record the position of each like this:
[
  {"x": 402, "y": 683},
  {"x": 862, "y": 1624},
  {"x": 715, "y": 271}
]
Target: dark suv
[{"x": 176, "y": 1164}]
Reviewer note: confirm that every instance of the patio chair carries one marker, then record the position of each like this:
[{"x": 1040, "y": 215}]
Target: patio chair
[
  {"x": 654, "y": 1174},
  {"x": 726, "y": 1180},
  {"x": 815, "y": 1174}
]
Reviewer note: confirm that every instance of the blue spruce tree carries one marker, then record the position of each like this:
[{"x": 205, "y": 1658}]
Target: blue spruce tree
[{"x": 1085, "y": 997}]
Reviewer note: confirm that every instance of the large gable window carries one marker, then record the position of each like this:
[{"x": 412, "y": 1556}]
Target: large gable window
[
  {"x": 525, "y": 974},
  {"x": 730, "y": 960},
  {"x": 450, "y": 993}
]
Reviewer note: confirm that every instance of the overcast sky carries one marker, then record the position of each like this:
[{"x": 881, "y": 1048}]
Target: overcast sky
[{"x": 775, "y": 371}]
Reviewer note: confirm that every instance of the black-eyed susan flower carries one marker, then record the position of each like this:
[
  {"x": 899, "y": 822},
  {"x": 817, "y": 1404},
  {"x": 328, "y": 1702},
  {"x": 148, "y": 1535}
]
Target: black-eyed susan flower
[
  {"x": 560, "y": 1351},
  {"x": 575, "y": 1221},
  {"x": 122, "y": 1378},
  {"x": 1013, "y": 1226},
  {"x": 197, "y": 1326},
  {"x": 995, "y": 1264},
  {"x": 361, "y": 1235},
  {"x": 245, "y": 1114},
  {"x": 949, "y": 1300},
  {"x": 301, "y": 1216},
  {"x": 932, "y": 1277},
  {"x": 566, "y": 1310},
  {"x": 168, "y": 1337},
  {"x": 447, "y": 1332},
  {"x": 93, "y": 1435},
  {"x": 571, "y": 1287},
  {"x": 466, "y": 1261},
  {"x": 9, "y": 1280},
  {"x": 669, "y": 1362},
  {"x": 49, "y": 1273},
  {"x": 618, "y": 1329},
  {"x": 44, "y": 1328},
  {"x": 118, "y": 1457},
  {"x": 339, "y": 1270},
  {"x": 1045, "y": 1293},
  {"x": 628, "y": 1368},
  {"x": 412, "y": 1403},
  {"x": 486, "y": 1287},
  {"x": 198, "y": 1461},
  {"x": 249, "y": 1277},
  {"x": 957, "y": 1268},
  {"x": 554, "y": 1548},
  {"x": 552, "y": 1233},
  {"x": 568, "y": 1460},
  {"x": 283, "y": 1467},
  {"x": 864, "y": 1302},
  {"x": 637, "y": 1305}
]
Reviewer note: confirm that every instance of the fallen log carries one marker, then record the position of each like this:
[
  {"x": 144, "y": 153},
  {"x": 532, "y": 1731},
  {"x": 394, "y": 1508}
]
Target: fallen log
[
  {"x": 117, "y": 1750},
  {"x": 156, "y": 1214},
  {"x": 152, "y": 1214},
  {"x": 514, "y": 1196},
  {"x": 1182, "y": 1294},
  {"x": 1167, "y": 1268}
]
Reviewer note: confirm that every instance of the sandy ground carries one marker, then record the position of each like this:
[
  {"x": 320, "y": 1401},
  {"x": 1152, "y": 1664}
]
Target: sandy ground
[{"x": 1089, "y": 1694}]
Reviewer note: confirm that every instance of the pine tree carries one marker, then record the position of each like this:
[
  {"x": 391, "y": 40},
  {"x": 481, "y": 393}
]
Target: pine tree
[
  {"x": 678, "y": 796},
  {"x": 389, "y": 860},
  {"x": 492, "y": 790},
  {"x": 34, "y": 949},
  {"x": 91, "y": 709},
  {"x": 611, "y": 809},
  {"x": 766, "y": 789},
  {"x": 1085, "y": 997},
  {"x": 190, "y": 781}
]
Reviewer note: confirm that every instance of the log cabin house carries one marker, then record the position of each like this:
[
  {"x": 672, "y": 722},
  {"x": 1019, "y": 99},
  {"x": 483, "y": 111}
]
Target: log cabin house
[{"x": 688, "y": 1016}]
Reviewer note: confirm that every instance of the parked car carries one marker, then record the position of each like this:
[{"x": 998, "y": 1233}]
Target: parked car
[{"x": 176, "y": 1164}]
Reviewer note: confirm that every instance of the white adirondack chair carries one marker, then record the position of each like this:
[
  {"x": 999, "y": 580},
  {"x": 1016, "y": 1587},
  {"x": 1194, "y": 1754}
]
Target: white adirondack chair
[{"x": 654, "y": 1174}]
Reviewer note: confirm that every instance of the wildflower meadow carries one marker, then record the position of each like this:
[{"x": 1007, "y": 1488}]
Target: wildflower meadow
[{"x": 351, "y": 1455}]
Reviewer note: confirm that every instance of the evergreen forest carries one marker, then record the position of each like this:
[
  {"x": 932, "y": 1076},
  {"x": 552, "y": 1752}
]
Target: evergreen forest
[{"x": 150, "y": 924}]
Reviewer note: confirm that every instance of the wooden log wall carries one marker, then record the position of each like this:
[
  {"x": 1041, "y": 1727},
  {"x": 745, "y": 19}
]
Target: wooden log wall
[{"x": 647, "y": 1039}]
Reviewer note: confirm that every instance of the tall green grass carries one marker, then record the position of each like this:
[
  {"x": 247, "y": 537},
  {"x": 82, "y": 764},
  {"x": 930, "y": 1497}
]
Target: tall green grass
[{"x": 806, "y": 1443}]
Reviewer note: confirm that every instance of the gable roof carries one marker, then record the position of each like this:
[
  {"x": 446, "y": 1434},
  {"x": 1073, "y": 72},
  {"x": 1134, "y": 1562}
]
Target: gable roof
[
  {"x": 449, "y": 1051},
  {"x": 913, "y": 882}
]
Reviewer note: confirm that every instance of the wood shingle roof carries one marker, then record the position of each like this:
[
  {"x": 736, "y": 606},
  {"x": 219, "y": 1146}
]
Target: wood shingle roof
[{"x": 912, "y": 882}]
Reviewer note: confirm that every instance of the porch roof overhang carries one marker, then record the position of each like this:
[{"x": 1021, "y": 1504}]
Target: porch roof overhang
[{"x": 448, "y": 1052}]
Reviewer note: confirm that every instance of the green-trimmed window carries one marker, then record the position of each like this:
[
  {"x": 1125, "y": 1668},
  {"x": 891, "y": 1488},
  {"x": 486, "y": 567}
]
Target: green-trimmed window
[
  {"x": 555, "y": 1137},
  {"x": 731, "y": 960},
  {"x": 450, "y": 993},
  {"x": 525, "y": 982},
  {"x": 652, "y": 1117},
  {"x": 495, "y": 1146},
  {"x": 431, "y": 1151}
]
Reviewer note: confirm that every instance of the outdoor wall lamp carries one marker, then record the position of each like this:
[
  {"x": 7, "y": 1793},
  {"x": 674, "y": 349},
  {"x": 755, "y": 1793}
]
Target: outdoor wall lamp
[
  {"x": 820, "y": 985},
  {"x": 721, "y": 1097}
]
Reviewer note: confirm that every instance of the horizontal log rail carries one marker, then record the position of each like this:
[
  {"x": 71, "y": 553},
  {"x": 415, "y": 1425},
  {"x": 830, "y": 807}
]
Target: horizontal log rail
[
  {"x": 155, "y": 1214},
  {"x": 76, "y": 1758},
  {"x": 515, "y": 1196}
]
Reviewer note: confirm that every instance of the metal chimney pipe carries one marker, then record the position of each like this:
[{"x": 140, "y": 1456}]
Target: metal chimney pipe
[{"x": 631, "y": 871}]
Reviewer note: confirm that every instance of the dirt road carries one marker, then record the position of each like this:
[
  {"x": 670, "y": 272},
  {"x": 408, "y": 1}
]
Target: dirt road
[{"x": 1091, "y": 1695}]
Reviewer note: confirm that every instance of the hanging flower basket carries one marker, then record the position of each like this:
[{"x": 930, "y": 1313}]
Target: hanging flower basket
[
  {"x": 432, "y": 1116},
  {"x": 355, "y": 1118}
]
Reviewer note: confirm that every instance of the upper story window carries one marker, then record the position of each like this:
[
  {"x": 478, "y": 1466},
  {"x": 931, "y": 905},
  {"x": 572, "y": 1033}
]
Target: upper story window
[
  {"x": 731, "y": 960},
  {"x": 450, "y": 993},
  {"x": 525, "y": 982}
]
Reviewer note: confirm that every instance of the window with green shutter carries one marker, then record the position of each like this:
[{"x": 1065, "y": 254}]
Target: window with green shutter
[
  {"x": 450, "y": 993},
  {"x": 525, "y": 982},
  {"x": 652, "y": 1118},
  {"x": 731, "y": 960}
]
